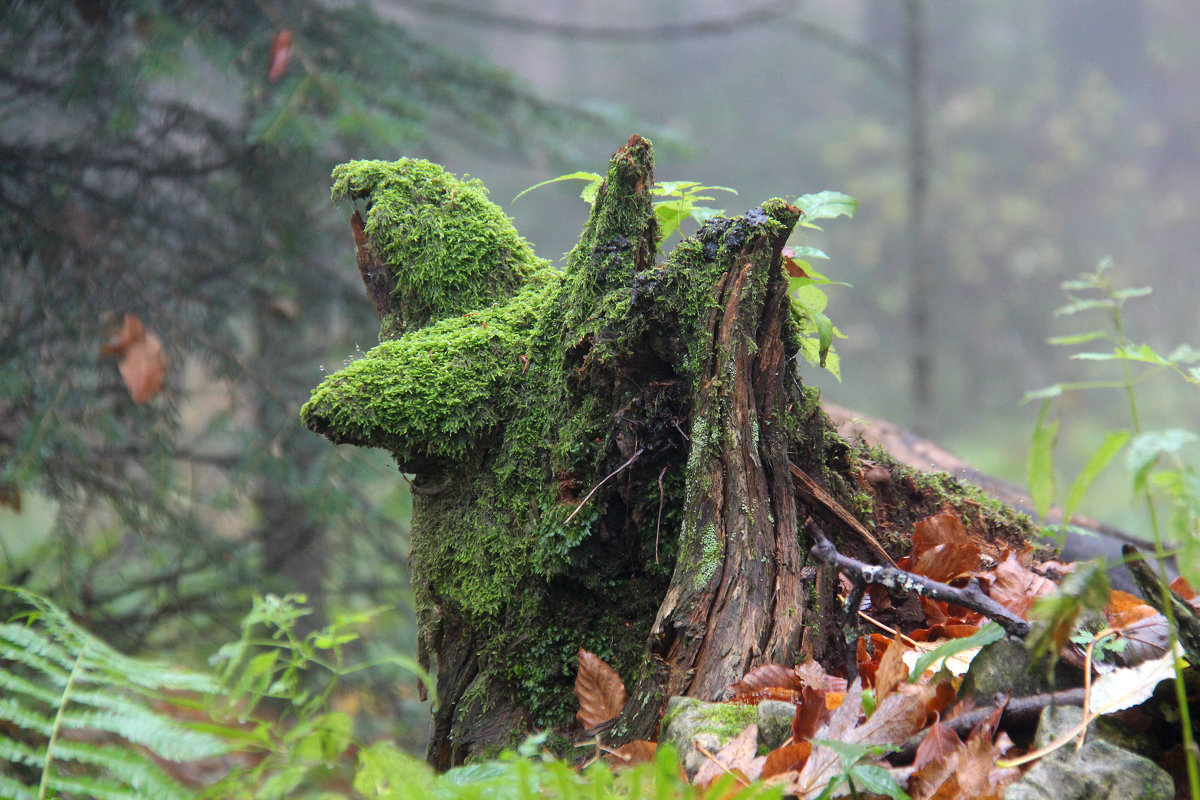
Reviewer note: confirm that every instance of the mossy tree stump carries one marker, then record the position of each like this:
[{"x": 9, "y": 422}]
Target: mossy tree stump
[{"x": 618, "y": 456}]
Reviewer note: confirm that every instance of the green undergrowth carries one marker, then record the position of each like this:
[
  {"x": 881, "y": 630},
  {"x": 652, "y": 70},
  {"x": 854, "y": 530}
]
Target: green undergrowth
[{"x": 84, "y": 721}]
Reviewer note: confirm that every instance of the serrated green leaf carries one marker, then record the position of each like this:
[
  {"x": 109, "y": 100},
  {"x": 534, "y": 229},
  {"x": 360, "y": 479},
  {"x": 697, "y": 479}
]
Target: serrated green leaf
[
  {"x": 827, "y": 205},
  {"x": 877, "y": 780},
  {"x": 1126, "y": 294},
  {"x": 1041, "y": 462},
  {"x": 1111, "y": 445},
  {"x": 1095, "y": 356}
]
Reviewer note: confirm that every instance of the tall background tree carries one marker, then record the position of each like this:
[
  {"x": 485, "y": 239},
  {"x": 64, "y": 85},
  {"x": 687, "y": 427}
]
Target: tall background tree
[{"x": 164, "y": 169}]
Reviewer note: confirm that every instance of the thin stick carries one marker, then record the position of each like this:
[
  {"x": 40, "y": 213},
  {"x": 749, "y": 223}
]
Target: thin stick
[
  {"x": 582, "y": 503},
  {"x": 899, "y": 580},
  {"x": 658, "y": 527}
]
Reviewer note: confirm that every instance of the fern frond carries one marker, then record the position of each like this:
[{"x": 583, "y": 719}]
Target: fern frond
[{"x": 82, "y": 714}]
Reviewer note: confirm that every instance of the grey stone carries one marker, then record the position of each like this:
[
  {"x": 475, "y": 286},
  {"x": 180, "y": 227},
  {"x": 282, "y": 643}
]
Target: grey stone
[
  {"x": 689, "y": 721},
  {"x": 1003, "y": 666},
  {"x": 1097, "y": 771},
  {"x": 774, "y": 723}
]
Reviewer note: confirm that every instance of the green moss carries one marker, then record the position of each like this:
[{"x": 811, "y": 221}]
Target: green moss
[
  {"x": 501, "y": 384},
  {"x": 435, "y": 392},
  {"x": 448, "y": 248}
]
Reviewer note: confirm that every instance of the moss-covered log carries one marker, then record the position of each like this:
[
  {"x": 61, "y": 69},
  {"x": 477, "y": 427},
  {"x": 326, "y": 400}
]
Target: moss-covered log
[{"x": 618, "y": 456}]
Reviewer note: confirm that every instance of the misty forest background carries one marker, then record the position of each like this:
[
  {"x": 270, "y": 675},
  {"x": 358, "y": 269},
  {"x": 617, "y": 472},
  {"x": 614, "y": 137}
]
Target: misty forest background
[{"x": 150, "y": 163}]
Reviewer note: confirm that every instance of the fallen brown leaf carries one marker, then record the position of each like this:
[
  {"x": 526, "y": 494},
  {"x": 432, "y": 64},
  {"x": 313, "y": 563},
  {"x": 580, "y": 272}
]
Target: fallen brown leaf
[
  {"x": 768, "y": 676},
  {"x": 600, "y": 691},
  {"x": 789, "y": 758},
  {"x": 738, "y": 756}
]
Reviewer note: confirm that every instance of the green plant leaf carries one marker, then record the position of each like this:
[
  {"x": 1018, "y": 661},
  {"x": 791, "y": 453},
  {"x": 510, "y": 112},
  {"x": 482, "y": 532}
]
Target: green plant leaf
[
  {"x": 989, "y": 633},
  {"x": 594, "y": 180},
  {"x": 1041, "y": 462},
  {"x": 1045, "y": 393},
  {"x": 1145, "y": 449},
  {"x": 877, "y": 780},
  {"x": 1103, "y": 454},
  {"x": 1077, "y": 338},
  {"x": 1083, "y": 305},
  {"x": 827, "y": 205},
  {"x": 824, "y": 336}
]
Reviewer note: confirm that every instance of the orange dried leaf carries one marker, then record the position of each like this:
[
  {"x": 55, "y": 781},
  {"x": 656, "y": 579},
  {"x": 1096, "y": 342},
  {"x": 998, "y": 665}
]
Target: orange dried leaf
[
  {"x": 789, "y": 758},
  {"x": 600, "y": 691},
  {"x": 1016, "y": 588},
  {"x": 639, "y": 751},
  {"x": 768, "y": 676},
  {"x": 946, "y": 562},
  {"x": 143, "y": 363},
  {"x": 939, "y": 742},
  {"x": 892, "y": 669},
  {"x": 281, "y": 55},
  {"x": 1181, "y": 587},
  {"x": 810, "y": 714},
  {"x": 759, "y": 695},
  {"x": 938, "y": 529}
]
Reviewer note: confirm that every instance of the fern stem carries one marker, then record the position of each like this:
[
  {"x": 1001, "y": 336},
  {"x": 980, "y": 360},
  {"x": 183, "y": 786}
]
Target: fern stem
[{"x": 58, "y": 719}]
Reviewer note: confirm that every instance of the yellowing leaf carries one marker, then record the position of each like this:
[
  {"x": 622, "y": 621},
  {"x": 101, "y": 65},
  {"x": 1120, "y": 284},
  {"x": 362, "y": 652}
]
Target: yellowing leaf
[{"x": 1131, "y": 686}]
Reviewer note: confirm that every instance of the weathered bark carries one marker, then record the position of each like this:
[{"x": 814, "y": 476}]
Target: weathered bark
[{"x": 618, "y": 457}]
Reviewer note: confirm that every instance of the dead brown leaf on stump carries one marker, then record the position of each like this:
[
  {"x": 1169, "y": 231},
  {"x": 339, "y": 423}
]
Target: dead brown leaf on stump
[{"x": 599, "y": 689}]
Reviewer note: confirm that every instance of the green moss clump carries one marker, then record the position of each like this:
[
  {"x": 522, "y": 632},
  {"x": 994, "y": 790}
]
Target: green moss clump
[
  {"x": 436, "y": 392},
  {"x": 448, "y": 248}
]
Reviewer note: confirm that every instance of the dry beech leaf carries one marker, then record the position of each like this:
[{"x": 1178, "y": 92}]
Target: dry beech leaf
[
  {"x": 948, "y": 561},
  {"x": 759, "y": 695},
  {"x": 1180, "y": 587},
  {"x": 813, "y": 674},
  {"x": 939, "y": 742},
  {"x": 1130, "y": 686},
  {"x": 639, "y": 751},
  {"x": 938, "y": 529},
  {"x": 143, "y": 362},
  {"x": 768, "y": 676},
  {"x": 1016, "y": 588},
  {"x": 738, "y": 756},
  {"x": 600, "y": 691},
  {"x": 789, "y": 758},
  {"x": 895, "y": 719},
  {"x": 892, "y": 669},
  {"x": 281, "y": 55},
  {"x": 811, "y": 714}
]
